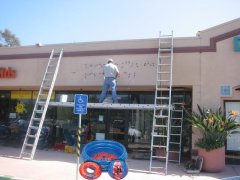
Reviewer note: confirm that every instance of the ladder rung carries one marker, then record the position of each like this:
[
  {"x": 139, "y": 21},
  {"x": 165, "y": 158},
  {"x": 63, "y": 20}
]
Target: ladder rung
[
  {"x": 163, "y": 80},
  {"x": 176, "y": 118},
  {"x": 161, "y": 106},
  {"x": 56, "y": 54},
  {"x": 174, "y": 152},
  {"x": 159, "y": 135},
  {"x": 162, "y": 89},
  {"x": 41, "y": 102},
  {"x": 33, "y": 127},
  {"x": 53, "y": 59},
  {"x": 43, "y": 94},
  {"x": 39, "y": 111},
  {"x": 155, "y": 167},
  {"x": 165, "y": 49},
  {"x": 165, "y": 57},
  {"x": 49, "y": 72},
  {"x": 174, "y": 143},
  {"x": 176, "y": 126},
  {"x": 31, "y": 136},
  {"x": 52, "y": 66},
  {"x": 159, "y": 146},
  {"x": 161, "y": 126},
  {"x": 177, "y": 110},
  {"x": 160, "y": 116},
  {"x": 28, "y": 145},
  {"x": 166, "y": 72},
  {"x": 26, "y": 153},
  {"x": 162, "y": 98},
  {"x": 159, "y": 157},
  {"x": 166, "y": 35},
  {"x": 172, "y": 160},
  {"x": 175, "y": 134},
  {"x": 46, "y": 87},
  {"x": 36, "y": 119}
]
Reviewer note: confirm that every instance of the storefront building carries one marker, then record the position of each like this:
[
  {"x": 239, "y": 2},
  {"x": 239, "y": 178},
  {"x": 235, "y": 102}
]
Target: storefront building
[{"x": 205, "y": 71}]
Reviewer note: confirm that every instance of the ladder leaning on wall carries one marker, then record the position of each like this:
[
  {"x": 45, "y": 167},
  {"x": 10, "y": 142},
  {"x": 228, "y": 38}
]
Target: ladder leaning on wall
[
  {"x": 41, "y": 106},
  {"x": 176, "y": 128},
  {"x": 162, "y": 106}
]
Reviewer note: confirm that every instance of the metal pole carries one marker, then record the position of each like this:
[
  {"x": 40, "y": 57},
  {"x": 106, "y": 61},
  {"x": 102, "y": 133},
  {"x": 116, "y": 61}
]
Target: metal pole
[{"x": 78, "y": 143}]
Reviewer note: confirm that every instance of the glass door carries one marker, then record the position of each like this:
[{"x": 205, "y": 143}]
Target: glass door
[
  {"x": 233, "y": 142},
  {"x": 98, "y": 119},
  {"x": 117, "y": 126}
]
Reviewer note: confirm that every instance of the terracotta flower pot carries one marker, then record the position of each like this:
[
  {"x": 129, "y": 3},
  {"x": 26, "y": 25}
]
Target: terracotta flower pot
[{"x": 213, "y": 161}]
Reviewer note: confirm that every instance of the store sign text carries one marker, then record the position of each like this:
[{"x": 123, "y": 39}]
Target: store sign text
[{"x": 7, "y": 73}]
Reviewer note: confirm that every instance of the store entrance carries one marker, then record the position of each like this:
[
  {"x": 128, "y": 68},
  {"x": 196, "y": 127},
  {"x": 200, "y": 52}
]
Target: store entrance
[{"x": 117, "y": 126}]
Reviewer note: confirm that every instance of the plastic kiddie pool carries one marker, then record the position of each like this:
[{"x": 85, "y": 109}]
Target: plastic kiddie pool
[
  {"x": 103, "y": 152},
  {"x": 104, "y": 156}
]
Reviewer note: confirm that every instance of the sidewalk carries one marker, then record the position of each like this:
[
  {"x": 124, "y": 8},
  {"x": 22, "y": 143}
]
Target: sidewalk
[{"x": 54, "y": 165}]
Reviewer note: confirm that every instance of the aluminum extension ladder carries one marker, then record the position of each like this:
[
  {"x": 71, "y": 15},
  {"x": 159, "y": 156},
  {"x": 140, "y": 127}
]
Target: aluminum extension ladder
[
  {"x": 41, "y": 106},
  {"x": 176, "y": 128},
  {"x": 161, "y": 117}
]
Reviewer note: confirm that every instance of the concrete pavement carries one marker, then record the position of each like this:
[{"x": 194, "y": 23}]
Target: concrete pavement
[{"x": 56, "y": 165}]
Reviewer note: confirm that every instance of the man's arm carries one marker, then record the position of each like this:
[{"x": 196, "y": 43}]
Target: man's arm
[{"x": 117, "y": 72}]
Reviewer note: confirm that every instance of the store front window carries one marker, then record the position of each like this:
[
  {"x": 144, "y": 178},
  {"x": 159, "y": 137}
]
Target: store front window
[
  {"x": 117, "y": 126},
  {"x": 20, "y": 105},
  {"x": 139, "y": 132},
  {"x": 130, "y": 127},
  {"x": 233, "y": 141}
]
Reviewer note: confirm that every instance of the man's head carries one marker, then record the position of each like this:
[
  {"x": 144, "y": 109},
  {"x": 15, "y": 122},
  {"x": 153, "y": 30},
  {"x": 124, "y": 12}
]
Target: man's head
[{"x": 110, "y": 61}]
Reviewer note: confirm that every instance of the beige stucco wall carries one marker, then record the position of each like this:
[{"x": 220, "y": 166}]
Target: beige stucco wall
[
  {"x": 204, "y": 72},
  {"x": 135, "y": 70},
  {"x": 219, "y": 68}
]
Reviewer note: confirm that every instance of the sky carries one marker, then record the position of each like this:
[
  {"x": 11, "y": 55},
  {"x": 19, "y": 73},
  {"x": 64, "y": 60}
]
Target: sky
[{"x": 73, "y": 21}]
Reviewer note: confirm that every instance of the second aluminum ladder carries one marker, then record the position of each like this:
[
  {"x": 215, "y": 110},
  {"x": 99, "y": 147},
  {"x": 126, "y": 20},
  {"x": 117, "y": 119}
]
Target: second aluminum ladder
[
  {"x": 41, "y": 106},
  {"x": 162, "y": 106},
  {"x": 176, "y": 128}
]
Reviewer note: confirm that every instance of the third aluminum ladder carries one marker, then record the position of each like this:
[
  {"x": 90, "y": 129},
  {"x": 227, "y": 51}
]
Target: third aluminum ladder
[
  {"x": 41, "y": 106},
  {"x": 162, "y": 106},
  {"x": 176, "y": 128}
]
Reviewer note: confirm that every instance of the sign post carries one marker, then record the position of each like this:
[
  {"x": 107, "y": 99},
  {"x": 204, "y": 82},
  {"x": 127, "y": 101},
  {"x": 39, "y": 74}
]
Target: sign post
[{"x": 80, "y": 107}]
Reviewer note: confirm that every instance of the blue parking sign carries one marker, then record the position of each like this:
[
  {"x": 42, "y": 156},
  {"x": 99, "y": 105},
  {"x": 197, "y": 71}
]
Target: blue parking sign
[{"x": 80, "y": 104}]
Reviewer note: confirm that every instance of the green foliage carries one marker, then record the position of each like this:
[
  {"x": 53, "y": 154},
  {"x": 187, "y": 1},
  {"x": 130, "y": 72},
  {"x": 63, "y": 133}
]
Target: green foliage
[
  {"x": 211, "y": 141},
  {"x": 214, "y": 126},
  {"x": 7, "y": 39}
]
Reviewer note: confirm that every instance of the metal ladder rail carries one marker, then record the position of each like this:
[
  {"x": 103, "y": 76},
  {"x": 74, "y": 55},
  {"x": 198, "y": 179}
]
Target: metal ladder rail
[
  {"x": 154, "y": 111},
  {"x": 169, "y": 103},
  {"x": 33, "y": 114},
  {"x": 47, "y": 101},
  {"x": 160, "y": 89},
  {"x": 43, "y": 109}
]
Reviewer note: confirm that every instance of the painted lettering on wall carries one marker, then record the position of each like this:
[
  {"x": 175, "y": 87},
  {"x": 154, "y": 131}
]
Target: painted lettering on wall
[
  {"x": 7, "y": 73},
  {"x": 128, "y": 69}
]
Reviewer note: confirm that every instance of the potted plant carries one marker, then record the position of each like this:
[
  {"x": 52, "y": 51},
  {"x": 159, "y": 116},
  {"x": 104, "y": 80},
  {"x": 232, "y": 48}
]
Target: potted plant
[{"x": 215, "y": 127}]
